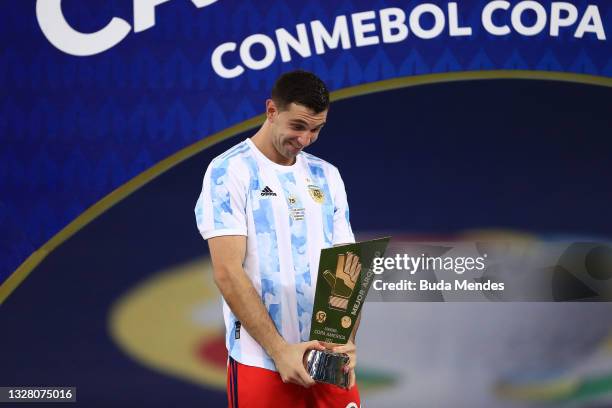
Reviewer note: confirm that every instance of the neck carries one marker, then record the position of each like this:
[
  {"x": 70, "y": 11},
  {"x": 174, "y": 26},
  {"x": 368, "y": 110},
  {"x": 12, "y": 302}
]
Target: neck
[{"x": 263, "y": 141}]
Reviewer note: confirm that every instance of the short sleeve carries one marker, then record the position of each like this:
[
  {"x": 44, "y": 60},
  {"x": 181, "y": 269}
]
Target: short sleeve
[
  {"x": 343, "y": 234},
  {"x": 221, "y": 206}
]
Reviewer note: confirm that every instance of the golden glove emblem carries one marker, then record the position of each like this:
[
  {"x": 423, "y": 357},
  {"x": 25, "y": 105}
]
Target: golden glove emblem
[{"x": 344, "y": 280}]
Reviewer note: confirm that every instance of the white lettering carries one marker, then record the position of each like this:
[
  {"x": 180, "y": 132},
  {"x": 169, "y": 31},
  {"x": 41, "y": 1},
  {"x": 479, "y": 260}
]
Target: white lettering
[
  {"x": 518, "y": 11},
  {"x": 585, "y": 26},
  {"x": 217, "y": 62},
  {"x": 144, "y": 14},
  {"x": 65, "y": 38},
  {"x": 377, "y": 266},
  {"x": 247, "y": 58},
  {"x": 393, "y": 19},
  {"x": 487, "y": 17},
  {"x": 286, "y": 40},
  {"x": 555, "y": 16},
  {"x": 415, "y": 21},
  {"x": 360, "y": 29},
  {"x": 340, "y": 32},
  {"x": 416, "y": 262},
  {"x": 453, "y": 22},
  {"x": 203, "y": 3}
]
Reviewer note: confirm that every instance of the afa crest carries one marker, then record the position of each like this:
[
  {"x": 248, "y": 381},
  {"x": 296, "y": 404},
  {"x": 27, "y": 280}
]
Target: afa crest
[{"x": 316, "y": 193}]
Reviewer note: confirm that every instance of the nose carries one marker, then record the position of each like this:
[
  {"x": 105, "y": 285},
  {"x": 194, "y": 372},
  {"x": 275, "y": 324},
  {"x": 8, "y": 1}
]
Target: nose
[{"x": 304, "y": 140}]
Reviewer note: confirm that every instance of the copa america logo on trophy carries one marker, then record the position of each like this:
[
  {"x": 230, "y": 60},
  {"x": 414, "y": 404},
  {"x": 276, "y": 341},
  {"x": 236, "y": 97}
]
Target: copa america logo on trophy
[{"x": 344, "y": 279}]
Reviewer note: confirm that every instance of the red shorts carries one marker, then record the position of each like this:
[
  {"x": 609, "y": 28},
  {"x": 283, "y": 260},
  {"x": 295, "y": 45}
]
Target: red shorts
[{"x": 260, "y": 388}]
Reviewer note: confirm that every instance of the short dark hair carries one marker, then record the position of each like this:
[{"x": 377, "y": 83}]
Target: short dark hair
[{"x": 303, "y": 88}]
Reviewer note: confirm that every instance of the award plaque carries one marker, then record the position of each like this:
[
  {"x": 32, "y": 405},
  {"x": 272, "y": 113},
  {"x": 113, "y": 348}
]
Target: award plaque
[{"x": 344, "y": 278}]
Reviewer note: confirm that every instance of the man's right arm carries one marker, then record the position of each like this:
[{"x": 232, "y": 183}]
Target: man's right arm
[{"x": 228, "y": 254}]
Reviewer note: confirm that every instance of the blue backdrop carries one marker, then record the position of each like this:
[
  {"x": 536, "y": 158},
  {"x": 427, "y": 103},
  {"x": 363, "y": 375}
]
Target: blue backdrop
[
  {"x": 75, "y": 128},
  {"x": 102, "y": 158}
]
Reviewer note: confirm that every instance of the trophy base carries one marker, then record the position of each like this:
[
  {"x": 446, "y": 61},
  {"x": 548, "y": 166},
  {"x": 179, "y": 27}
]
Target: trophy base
[{"x": 327, "y": 367}]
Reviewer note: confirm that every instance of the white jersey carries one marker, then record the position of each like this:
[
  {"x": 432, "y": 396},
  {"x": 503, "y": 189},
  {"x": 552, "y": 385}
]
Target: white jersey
[{"x": 288, "y": 214}]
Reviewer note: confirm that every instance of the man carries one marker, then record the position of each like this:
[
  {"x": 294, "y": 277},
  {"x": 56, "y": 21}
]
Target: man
[{"x": 267, "y": 209}]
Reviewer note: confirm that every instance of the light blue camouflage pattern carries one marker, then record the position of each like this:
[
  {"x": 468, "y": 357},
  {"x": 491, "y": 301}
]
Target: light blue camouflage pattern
[
  {"x": 265, "y": 229},
  {"x": 299, "y": 252},
  {"x": 327, "y": 208}
]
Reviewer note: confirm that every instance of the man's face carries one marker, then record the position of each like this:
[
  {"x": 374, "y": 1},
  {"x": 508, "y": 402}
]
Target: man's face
[{"x": 295, "y": 128}]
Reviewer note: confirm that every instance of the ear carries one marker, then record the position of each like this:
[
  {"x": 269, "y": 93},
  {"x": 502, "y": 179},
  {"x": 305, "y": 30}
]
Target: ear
[{"x": 271, "y": 110}]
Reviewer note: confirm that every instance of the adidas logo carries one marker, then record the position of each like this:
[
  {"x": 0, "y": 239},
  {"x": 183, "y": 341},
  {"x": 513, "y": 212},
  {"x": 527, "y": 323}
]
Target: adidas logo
[{"x": 267, "y": 192}]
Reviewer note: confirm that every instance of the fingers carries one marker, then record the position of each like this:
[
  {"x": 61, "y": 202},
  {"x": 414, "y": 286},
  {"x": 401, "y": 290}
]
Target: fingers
[
  {"x": 352, "y": 379},
  {"x": 313, "y": 345},
  {"x": 349, "y": 265},
  {"x": 302, "y": 377},
  {"x": 356, "y": 272},
  {"x": 341, "y": 263},
  {"x": 330, "y": 278},
  {"x": 352, "y": 266},
  {"x": 296, "y": 373},
  {"x": 329, "y": 346},
  {"x": 345, "y": 348},
  {"x": 305, "y": 379},
  {"x": 352, "y": 363},
  {"x": 299, "y": 377},
  {"x": 291, "y": 364},
  {"x": 350, "y": 349},
  {"x": 354, "y": 262}
]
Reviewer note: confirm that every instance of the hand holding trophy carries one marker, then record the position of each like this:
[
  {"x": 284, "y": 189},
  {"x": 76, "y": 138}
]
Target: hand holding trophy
[{"x": 339, "y": 297}]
